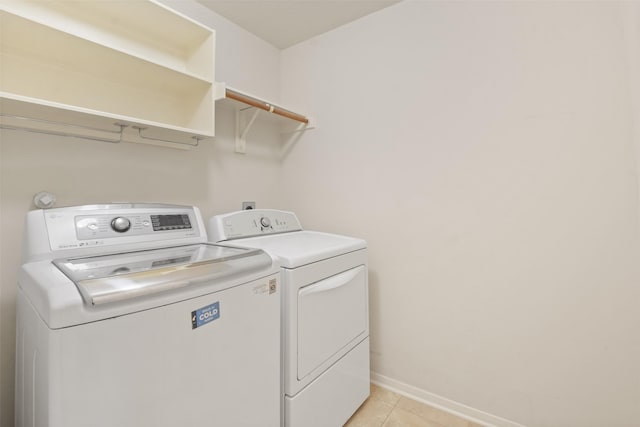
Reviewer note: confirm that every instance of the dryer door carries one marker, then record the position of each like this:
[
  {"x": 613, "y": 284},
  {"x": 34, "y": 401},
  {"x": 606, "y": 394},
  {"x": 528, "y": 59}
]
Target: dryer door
[{"x": 331, "y": 314}]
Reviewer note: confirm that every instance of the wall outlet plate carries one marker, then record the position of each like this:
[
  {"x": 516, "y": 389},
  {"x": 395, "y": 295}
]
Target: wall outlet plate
[{"x": 248, "y": 205}]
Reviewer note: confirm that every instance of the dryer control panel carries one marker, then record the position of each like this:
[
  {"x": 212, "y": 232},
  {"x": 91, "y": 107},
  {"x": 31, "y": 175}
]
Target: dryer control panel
[{"x": 249, "y": 223}]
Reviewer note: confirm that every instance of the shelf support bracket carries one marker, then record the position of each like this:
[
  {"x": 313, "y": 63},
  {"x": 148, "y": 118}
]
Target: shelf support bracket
[{"x": 241, "y": 134}]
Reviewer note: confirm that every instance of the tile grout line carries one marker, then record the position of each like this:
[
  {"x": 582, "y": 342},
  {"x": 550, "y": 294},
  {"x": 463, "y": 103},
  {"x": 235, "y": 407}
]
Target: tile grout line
[
  {"x": 387, "y": 417},
  {"x": 427, "y": 419},
  {"x": 390, "y": 412}
]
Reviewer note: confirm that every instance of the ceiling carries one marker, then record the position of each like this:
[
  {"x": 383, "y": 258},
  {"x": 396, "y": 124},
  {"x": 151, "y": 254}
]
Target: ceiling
[{"x": 284, "y": 23}]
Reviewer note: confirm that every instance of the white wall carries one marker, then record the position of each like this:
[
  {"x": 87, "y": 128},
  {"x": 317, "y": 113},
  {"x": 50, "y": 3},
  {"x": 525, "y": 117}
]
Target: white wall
[
  {"x": 485, "y": 151},
  {"x": 84, "y": 172},
  {"x": 631, "y": 27}
]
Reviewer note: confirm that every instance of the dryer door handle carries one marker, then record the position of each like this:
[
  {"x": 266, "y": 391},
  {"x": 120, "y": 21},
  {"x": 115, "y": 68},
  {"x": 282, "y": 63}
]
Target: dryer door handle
[{"x": 331, "y": 283}]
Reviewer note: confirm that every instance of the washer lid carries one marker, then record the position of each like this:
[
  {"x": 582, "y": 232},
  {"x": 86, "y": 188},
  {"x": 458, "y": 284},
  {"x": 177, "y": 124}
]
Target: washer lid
[
  {"x": 115, "y": 277},
  {"x": 303, "y": 247}
]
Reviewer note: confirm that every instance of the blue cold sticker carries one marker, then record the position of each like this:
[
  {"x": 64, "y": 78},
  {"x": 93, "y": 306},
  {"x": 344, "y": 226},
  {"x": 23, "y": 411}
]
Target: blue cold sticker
[{"x": 205, "y": 315}]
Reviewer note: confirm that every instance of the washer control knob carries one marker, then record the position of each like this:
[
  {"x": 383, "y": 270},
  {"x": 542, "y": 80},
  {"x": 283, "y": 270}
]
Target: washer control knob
[
  {"x": 265, "y": 222},
  {"x": 120, "y": 224}
]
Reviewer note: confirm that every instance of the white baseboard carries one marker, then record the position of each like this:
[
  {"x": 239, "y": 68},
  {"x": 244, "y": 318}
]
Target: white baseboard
[{"x": 453, "y": 407}]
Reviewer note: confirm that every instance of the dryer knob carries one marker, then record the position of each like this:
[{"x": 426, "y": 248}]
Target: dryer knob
[
  {"x": 265, "y": 222},
  {"x": 120, "y": 224}
]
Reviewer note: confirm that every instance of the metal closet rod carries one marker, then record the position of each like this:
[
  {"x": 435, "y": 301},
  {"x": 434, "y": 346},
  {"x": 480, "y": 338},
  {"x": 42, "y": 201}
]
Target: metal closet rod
[
  {"x": 231, "y": 94},
  {"x": 118, "y": 136}
]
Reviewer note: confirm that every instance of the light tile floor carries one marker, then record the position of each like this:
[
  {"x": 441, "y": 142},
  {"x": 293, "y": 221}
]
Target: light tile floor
[{"x": 385, "y": 408}]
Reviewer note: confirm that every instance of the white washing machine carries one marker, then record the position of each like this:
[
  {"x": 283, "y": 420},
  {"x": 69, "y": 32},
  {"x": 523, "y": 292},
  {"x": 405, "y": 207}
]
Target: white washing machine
[
  {"x": 325, "y": 312},
  {"x": 126, "y": 317}
]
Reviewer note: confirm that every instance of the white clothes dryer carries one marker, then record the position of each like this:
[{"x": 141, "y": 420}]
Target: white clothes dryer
[
  {"x": 126, "y": 317},
  {"x": 325, "y": 312}
]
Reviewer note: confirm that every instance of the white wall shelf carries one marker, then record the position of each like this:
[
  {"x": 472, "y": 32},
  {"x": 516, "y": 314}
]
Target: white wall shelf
[
  {"x": 134, "y": 66},
  {"x": 248, "y": 107}
]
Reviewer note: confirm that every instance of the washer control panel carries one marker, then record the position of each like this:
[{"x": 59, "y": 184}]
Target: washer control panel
[
  {"x": 249, "y": 223},
  {"x": 115, "y": 224},
  {"x": 105, "y": 226}
]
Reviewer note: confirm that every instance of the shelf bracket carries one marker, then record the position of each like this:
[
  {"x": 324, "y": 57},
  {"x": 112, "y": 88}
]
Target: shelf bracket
[
  {"x": 255, "y": 104},
  {"x": 141, "y": 138},
  {"x": 241, "y": 134}
]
